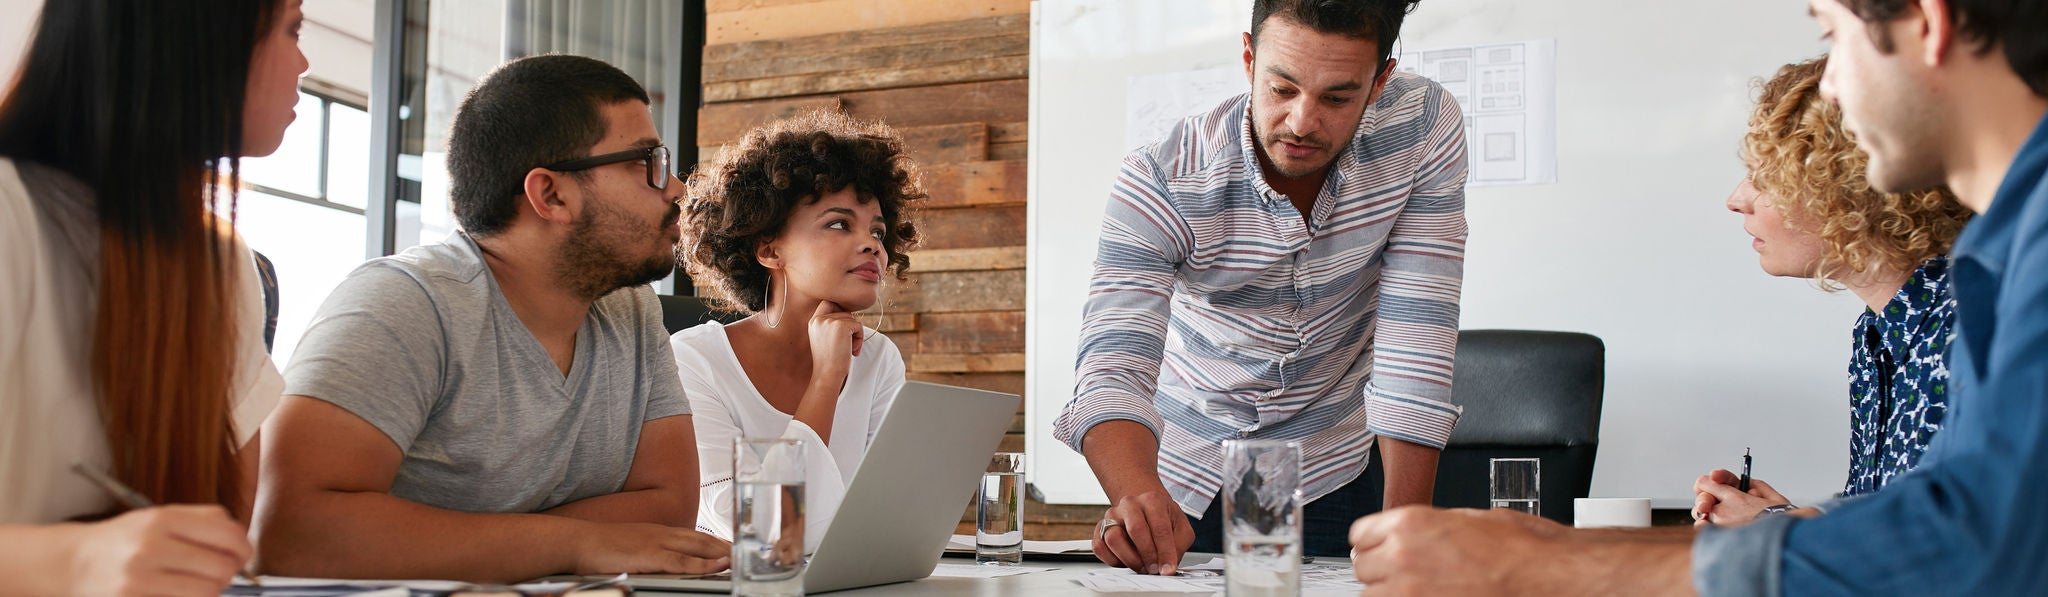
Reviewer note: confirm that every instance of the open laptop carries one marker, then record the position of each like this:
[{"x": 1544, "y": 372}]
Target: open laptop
[{"x": 905, "y": 499}]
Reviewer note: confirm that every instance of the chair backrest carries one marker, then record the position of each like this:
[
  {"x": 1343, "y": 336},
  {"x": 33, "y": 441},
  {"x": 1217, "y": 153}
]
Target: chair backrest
[
  {"x": 683, "y": 312},
  {"x": 1526, "y": 394},
  {"x": 266, "y": 275}
]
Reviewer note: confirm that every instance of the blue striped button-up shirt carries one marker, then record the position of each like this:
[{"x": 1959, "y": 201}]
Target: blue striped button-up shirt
[{"x": 1217, "y": 312}]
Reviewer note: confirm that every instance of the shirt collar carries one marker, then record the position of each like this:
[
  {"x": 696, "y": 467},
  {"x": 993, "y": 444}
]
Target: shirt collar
[
  {"x": 1250, "y": 153},
  {"x": 1910, "y": 306},
  {"x": 1988, "y": 236},
  {"x": 1248, "y": 147}
]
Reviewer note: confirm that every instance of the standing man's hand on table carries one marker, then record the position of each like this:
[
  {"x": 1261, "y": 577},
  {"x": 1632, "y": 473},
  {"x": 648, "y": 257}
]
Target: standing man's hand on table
[
  {"x": 1145, "y": 532},
  {"x": 1143, "y": 529}
]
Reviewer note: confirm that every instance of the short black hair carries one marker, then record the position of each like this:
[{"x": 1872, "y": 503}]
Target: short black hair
[
  {"x": 529, "y": 113},
  {"x": 1378, "y": 21},
  {"x": 2016, "y": 24}
]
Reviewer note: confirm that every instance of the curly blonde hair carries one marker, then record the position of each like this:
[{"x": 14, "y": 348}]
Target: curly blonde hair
[
  {"x": 746, "y": 196},
  {"x": 1808, "y": 166}
]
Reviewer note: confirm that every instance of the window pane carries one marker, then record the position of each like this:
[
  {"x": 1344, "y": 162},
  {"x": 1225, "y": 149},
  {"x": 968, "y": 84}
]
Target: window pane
[
  {"x": 313, "y": 248},
  {"x": 295, "y": 167},
  {"x": 348, "y": 156},
  {"x": 464, "y": 41}
]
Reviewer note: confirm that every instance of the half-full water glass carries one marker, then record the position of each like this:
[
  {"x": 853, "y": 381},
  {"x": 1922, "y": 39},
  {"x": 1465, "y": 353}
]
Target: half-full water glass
[
  {"x": 1514, "y": 484},
  {"x": 768, "y": 517},
  {"x": 999, "y": 512},
  {"x": 1261, "y": 518}
]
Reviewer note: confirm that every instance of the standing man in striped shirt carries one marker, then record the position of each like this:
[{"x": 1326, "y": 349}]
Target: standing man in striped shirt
[{"x": 1285, "y": 266}]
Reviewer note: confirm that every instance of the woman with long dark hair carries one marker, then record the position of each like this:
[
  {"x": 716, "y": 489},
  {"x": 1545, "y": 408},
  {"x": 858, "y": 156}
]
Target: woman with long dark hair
[{"x": 130, "y": 320}]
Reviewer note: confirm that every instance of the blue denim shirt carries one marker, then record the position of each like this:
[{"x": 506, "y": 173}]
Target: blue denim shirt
[{"x": 1973, "y": 518}]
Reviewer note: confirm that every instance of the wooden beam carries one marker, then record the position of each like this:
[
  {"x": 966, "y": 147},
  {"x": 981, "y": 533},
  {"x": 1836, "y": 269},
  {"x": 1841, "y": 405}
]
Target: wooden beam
[
  {"x": 972, "y": 333},
  {"x": 732, "y": 5},
  {"x": 888, "y": 321},
  {"x": 927, "y": 145},
  {"x": 986, "y": 101},
  {"x": 956, "y": 292},
  {"x": 786, "y": 20},
  {"x": 976, "y": 183},
  {"x": 721, "y": 124},
  {"x": 946, "y": 143},
  {"x": 957, "y": 260},
  {"x": 973, "y": 227},
  {"x": 885, "y": 48},
  {"x": 967, "y": 363},
  {"x": 978, "y": 69}
]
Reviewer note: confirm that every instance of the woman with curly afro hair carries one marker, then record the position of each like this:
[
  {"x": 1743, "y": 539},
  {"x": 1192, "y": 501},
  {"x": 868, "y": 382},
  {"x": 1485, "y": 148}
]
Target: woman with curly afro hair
[
  {"x": 797, "y": 226},
  {"x": 1813, "y": 215}
]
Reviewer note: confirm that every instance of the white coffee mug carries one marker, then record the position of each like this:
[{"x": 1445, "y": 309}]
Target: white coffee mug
[{"x": 1598, "y": 513}]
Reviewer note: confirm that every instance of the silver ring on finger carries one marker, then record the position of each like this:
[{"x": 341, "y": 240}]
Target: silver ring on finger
[{"x": 1102, "y": 528}]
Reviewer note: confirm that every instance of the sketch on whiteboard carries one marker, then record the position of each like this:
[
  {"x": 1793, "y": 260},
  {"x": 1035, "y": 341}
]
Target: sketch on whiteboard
[
  {"x": 1154, "y": 103},
  {"x": 1508, "y": 93}
]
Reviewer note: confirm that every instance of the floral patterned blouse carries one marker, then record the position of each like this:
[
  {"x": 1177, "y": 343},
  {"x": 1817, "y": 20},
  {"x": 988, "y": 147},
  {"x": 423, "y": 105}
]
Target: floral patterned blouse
[{"x": 1898, "y": 378}]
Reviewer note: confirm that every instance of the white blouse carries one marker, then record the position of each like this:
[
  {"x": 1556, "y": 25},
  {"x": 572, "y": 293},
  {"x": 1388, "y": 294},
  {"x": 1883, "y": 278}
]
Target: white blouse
[
  {"x": 725, "y": 406},
  {"x": 49, "y": 409}
]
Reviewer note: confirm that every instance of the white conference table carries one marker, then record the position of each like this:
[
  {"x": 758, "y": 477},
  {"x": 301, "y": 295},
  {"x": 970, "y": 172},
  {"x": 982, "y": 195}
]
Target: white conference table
[{"x": 1060, "y": 580}]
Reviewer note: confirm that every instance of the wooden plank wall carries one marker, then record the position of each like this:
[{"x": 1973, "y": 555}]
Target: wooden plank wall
[{"x": 950, "y": 75}]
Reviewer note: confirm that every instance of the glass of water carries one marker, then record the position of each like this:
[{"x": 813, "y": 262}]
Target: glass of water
[
  {"x": 1261, "y": 518},
  {"x": 768, "y": 517},
  {"x": 999, "y": 512},
  {"x": 1515, "y": 482}
]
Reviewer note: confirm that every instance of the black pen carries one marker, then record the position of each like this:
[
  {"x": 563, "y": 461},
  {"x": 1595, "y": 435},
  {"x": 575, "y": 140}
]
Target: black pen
[{"x": 1743, "y": 484}]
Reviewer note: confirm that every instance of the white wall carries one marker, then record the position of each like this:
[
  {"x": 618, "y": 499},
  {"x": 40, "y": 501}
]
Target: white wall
[
  {"x": 14, "y": 33},
  {"x": 1706, "y": 354}
]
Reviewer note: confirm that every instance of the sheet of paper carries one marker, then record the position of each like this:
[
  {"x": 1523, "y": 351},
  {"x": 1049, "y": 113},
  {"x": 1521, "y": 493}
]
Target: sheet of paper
[
  {"x": 979, "y": 571},
  {"x": 966, "y": 543},
  {"x": 1154, "y": 103},
  {"x": 1208, "y": 577},
  {"x": 1508, "y": 92}
]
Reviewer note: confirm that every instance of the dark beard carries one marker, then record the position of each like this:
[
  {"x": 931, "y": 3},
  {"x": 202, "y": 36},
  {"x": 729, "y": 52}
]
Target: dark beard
[{"x": 592, "y": 267}]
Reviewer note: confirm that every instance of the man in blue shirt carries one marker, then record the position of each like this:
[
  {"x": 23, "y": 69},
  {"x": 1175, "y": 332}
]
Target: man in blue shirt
[{"x": 1937, "y": 91}]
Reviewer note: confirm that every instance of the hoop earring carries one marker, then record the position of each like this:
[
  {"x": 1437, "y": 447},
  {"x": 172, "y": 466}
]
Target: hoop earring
[
  {"x": 881, "y": 315},
  {"x": 768, "y": 292}
]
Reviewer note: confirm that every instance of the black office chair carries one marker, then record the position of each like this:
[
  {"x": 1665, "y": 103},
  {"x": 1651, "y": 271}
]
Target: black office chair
[
  {"x": 1526, "y": 394},
  {"x": 682, "y": 312},
  {"x": 266, "y": 276}
]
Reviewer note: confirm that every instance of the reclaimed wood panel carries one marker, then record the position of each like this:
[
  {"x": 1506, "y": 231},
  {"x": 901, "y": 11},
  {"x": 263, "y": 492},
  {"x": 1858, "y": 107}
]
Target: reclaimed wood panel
[
  {"x": 1000, "y": 182},
  {"x": 972, "y": 333},
  {"x": 780, "y": 20},
  {"x": 957, "y": 260},
  {"x": 995, "y": 226},
  {"x": 723, "y": 124},
  {"x": 967, "y": 363},
  {"x": 983, "y": 101},
  {"x": 975, "y": 69},
  {"x": 926, "y": 145},
  {"x": 954, "y": 292},
  {"x": 864, "y": 50}
]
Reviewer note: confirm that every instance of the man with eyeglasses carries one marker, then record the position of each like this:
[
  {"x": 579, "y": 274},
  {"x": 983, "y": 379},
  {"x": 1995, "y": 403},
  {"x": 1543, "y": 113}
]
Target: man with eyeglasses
[{"x": 502, "y": 405}]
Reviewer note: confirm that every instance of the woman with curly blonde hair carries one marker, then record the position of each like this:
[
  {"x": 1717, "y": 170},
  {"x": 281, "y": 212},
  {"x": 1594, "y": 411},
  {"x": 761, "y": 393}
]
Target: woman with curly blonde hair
[
  {"x": 798, "y": 225},
  {"x": 1813, "y": 215}
]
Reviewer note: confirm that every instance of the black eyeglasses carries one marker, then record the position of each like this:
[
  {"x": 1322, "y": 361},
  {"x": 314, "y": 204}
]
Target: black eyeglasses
[{"x": 656, "y": 157}]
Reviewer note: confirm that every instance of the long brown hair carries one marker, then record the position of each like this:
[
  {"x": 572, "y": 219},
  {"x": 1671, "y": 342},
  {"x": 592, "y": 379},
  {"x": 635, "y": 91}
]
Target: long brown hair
[{"x": 141, "y": 100}]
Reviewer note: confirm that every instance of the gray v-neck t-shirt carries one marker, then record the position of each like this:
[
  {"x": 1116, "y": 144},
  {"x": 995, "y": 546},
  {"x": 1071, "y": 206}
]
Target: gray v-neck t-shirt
[{"x": 423, "y": 346}]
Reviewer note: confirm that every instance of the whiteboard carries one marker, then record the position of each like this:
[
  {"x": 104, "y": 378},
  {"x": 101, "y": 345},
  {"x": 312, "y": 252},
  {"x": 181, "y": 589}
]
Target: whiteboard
[{"x": 1707, "y": 355}]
